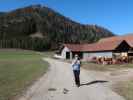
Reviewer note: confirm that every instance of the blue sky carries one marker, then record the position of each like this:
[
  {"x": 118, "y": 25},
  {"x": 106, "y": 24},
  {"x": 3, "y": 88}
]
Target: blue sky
[{"x": 115, "y": 15}]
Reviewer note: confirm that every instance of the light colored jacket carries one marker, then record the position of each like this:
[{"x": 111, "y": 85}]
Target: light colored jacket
[{"x": 76, "y": 64}]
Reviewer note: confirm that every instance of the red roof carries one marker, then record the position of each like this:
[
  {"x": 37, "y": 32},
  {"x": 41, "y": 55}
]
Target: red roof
[
  {"x": 103, "y": 46},
  {"x": 74, "y": 47},
  {"x": 106, "y": 44},
  {"x": 128, "y": 39}
]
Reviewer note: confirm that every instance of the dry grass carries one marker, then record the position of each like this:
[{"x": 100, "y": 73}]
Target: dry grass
[
  {"x": 125, "y": 89},
  {"x": 100, "y": 67},
  {"x": 122, "y": 87}
]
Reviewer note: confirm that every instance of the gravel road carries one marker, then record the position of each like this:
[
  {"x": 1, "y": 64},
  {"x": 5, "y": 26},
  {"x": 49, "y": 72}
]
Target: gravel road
[{"x": 58, "y": 84}]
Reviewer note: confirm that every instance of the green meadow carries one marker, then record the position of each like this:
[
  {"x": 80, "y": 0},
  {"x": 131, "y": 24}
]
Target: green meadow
[{"x": 18, "y": 70}]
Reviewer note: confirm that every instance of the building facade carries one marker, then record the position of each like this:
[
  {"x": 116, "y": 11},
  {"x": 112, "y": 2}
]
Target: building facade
[{"x": 108, "y": 47}]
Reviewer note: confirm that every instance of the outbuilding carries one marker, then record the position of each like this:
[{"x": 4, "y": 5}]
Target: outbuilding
[{"x": 107, "y": 47}]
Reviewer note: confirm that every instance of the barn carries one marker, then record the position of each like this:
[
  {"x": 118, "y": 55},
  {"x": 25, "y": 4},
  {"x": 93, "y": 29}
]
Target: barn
[{"x": 107, "y": 47}]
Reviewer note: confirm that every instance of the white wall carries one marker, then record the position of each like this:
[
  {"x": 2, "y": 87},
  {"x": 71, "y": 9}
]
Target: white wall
[
  {"x": 102, "y": 54},
  {"x": 85, "y": 55},
  {"x": 99, "y": 54},
  {"x": 63, "y": 53}
]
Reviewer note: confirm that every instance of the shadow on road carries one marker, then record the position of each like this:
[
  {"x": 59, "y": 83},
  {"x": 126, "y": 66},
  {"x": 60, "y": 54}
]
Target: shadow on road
[{"x": 93, "y": 82}]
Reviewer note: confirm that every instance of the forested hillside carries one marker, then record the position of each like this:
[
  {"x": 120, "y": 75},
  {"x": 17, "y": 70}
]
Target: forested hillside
[{"x": 40, "y": 28}]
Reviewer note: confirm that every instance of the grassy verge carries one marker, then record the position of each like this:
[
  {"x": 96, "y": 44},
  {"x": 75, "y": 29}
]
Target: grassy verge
[
  {"x": 125, "y": 89},
  {"x": 48, "y": 54},
  {"x": 18, "y": 69},
  {"x": 100, "y": 67}
]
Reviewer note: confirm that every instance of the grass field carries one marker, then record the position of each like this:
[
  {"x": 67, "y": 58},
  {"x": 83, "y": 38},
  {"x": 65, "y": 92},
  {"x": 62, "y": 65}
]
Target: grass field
[
  {"x": 125, "y": 89},
  {"x": 18, "y": 69},
  {"x": 48, "y": 54},
  {"x": 100, "y": 67}
]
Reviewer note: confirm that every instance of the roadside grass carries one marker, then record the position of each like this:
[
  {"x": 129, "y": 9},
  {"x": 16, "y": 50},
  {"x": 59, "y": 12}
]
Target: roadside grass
[
  {"x": 49, "y": 54},
  {"x": 100, "y": 67},
  {"x": 125, "y": 89},
  {"x": 18, "y": 70}
]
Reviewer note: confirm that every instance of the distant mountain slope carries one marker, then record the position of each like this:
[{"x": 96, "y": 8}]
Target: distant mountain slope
[
  {"x": 1, "y": 13},
  {"x": 41, "y": 22}
]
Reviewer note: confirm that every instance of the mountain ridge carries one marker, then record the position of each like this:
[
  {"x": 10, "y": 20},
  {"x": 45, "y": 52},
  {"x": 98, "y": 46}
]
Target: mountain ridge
[{"x": 54, "y": 27}]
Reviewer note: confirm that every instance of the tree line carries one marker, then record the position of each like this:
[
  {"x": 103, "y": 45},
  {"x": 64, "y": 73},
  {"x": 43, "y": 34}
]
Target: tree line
[{"x": 25, "y": 43}]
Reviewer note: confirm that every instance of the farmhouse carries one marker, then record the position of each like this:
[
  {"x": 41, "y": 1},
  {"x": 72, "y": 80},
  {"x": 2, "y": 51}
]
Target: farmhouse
[{"x": 108, "y": 47}]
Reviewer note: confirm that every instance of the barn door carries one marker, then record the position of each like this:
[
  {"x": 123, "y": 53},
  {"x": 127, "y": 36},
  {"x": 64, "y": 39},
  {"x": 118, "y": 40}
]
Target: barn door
[{"x": 67, "y": 55}]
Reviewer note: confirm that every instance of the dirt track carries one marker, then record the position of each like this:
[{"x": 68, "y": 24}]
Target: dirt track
[{"x": 58, "y": 84}]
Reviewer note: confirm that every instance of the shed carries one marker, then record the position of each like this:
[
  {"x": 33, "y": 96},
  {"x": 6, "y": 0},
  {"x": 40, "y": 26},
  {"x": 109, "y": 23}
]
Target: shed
[{"x": 108, "y": 49}]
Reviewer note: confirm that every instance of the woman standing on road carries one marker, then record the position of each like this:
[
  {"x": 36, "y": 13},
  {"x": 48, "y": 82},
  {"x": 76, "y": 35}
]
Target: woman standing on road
[{"x": 76, "y": 70}]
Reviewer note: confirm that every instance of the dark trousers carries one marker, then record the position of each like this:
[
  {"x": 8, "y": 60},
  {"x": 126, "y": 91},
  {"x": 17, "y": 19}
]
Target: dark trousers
[{"x": 76, "y": 76}]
